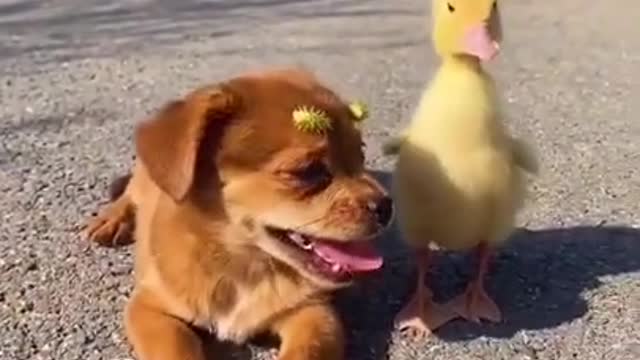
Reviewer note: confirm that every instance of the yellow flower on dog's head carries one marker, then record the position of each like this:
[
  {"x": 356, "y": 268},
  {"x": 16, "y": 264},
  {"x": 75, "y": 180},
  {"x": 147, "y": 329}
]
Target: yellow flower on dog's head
[
  {"x": 311, "y": 120},
  {"x": 359, "y": 110}
]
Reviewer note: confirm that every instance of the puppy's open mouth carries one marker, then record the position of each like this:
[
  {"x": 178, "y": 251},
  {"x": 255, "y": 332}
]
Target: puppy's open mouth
[{"x": 337, "y": 261}]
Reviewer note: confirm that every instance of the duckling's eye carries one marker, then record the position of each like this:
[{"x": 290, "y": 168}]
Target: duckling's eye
[{"x": 451, "y": 8}]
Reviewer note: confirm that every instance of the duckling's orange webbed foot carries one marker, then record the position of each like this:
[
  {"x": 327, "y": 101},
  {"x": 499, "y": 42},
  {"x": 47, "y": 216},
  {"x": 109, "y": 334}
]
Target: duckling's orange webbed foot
[
  {"x": 475, "y": 304},
  {"x": 421, "y": 315}
]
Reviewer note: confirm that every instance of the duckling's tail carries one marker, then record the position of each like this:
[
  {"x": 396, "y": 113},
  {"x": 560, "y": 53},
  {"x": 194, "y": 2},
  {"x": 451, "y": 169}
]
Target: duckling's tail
[
  {"x": 525, "y": 156},
  {"x": 392, "y": 146}
]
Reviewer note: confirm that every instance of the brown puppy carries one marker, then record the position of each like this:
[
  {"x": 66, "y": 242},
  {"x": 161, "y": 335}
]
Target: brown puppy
[{"x": 244, "y": 223}]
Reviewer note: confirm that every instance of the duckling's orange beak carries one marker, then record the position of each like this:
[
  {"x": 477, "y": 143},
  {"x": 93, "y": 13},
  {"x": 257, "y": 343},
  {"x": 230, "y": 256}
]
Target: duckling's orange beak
[
  {"x": 479, "y": 42},
  {"x": 483, "y": 40}
]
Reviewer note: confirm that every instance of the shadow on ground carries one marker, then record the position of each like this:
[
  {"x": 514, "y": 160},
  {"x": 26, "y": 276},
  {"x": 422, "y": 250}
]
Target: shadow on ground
[{"x": 538, "y": 280}]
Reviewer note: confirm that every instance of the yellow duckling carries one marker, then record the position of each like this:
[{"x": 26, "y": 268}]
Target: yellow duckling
[{"x": 459, "y": 177}]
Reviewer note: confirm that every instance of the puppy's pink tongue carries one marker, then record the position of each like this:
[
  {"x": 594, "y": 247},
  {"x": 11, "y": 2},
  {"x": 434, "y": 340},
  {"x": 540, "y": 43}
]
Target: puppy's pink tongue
[
  {"x": 356, "y": 256},
  {"x": 478, "y": 42}
]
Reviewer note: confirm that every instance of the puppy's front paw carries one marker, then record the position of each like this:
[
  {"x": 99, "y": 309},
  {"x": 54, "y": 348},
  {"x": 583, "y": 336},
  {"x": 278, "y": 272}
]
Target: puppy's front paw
[
  {"x": 113, "y": 226},
  {"x": 311, "y": 333}
]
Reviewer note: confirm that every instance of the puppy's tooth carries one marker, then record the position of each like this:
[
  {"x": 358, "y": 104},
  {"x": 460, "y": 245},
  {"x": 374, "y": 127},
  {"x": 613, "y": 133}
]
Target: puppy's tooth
[
  {"x": 335, "y": 267},
  {"x": 295, "y": 237}
]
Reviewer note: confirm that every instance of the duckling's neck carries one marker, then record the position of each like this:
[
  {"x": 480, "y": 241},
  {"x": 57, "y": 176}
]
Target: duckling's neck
[{"x": 461, "y": 60}]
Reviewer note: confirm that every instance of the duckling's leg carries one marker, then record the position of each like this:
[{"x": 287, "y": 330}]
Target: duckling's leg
[
  {"x": 475, "y": 304},
  {"x": 421, "y": 315}
]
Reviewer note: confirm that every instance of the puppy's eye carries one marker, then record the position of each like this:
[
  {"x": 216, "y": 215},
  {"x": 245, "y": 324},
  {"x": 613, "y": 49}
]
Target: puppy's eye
[
  {"x": 451, "y": 8},
  {"x": 316, "y": 173}
]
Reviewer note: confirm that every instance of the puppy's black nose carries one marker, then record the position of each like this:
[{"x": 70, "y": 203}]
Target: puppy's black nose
[{"x": 383, "y": 209}]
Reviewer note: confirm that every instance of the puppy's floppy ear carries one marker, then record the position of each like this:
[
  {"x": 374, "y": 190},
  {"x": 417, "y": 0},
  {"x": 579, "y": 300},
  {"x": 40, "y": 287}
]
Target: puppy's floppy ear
[{"x": 169, "y": 143}]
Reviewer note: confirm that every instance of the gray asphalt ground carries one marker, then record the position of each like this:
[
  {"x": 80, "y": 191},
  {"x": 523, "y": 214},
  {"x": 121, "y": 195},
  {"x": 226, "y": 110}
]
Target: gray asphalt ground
[{"x": 75, "y": 76}]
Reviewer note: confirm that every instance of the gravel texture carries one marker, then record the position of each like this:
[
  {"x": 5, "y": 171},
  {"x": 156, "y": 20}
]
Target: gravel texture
[{"x": 76, "y": 75}]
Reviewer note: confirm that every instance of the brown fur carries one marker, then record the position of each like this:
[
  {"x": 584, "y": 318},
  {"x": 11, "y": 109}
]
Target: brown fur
[{"x": 212, "y": 170}]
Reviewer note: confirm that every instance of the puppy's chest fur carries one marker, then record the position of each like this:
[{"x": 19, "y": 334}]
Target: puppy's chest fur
[
  {"x": 234, "y": 296},
  {"x": 256, "y": 307}
]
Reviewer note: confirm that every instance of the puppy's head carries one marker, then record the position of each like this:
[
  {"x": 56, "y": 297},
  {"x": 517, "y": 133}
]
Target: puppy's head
[{"x": 234, "y": 153}]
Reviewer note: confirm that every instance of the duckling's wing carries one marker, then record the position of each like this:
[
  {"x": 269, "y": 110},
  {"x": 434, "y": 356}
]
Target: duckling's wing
[{"x": 524, "y": 156}]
